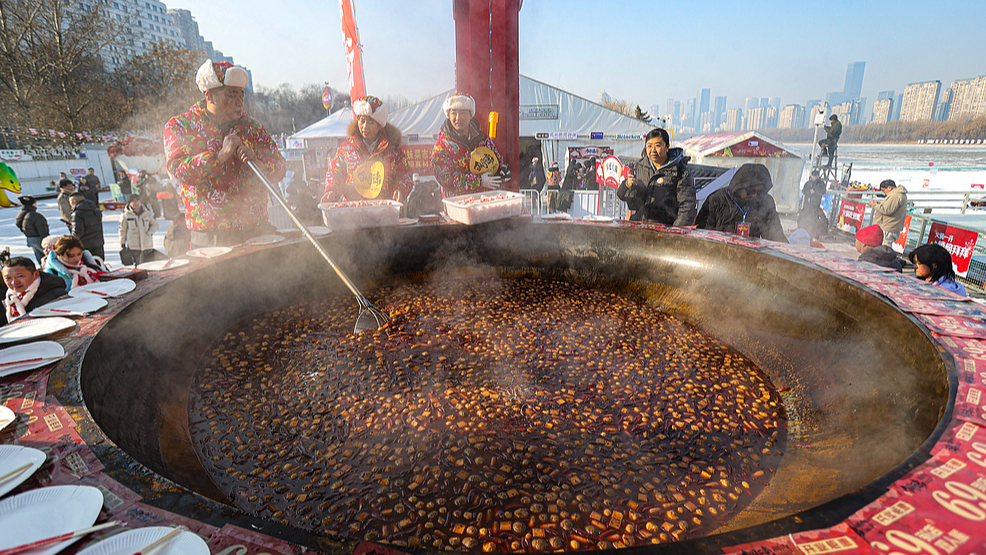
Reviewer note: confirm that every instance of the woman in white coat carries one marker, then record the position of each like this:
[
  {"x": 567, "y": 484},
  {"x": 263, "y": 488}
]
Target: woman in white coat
[{"x": 137, "y": 227}]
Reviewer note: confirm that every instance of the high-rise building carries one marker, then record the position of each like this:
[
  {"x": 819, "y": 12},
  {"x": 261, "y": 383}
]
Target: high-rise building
[
  {"x": 885, "y": 95},
  {"x": 774, "y": 102},
  {"x": 849, "y": 112},
  {"x": 734, "y": 120},
  {"x": 760, "y": 117},
  {"x": 703, "y": 104},
  {"x": 792, "y": 116},
  {"x": 705, "y": 122},
  {"x": 968, "y": 98},
  {"x": 750, "y": 104},
  {"x": 144, "y": 23},
  {"x": 920, "y": 100},
  {"x": 689, "y": 117},
  {"x": 189, "y": 29},
  {"x": 944, "y": 104},
  {"x": 854, "y": 80},
  {"x": 898, "y": 103},
  {"x": 883, "y": 110},
  {"x": 719, "y": 111}
]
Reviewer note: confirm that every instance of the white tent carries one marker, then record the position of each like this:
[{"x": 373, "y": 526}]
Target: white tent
[
  {"x": 566, "y": 119},
  {"x": 732, "y": 150}
]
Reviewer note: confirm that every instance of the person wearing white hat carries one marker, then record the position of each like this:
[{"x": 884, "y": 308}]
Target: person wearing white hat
[
  {"x": 207, "y": 150},
  {"x": 460, "y": 136},
  {"x": 370, "y": 164}
]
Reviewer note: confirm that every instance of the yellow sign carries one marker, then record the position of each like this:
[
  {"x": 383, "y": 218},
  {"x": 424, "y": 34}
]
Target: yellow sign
[
  {"x": 482, "y": 160},
  {"x": 368, "y": 179}
]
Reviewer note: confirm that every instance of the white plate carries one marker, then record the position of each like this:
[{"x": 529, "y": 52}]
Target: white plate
[
  {"x": 13, "y": 457},
  {"x": 209, "y": 252},
  {"x": 556, "y": 216},
  {"x": 6, "y": 417},
  {"x": 319, "y": 230},
  {"x": 264, "y": 240},
  {"x": 112, "y": 288},
  {"x": 591, "y": 218},
  {"x": 47, "y": 351},
  {"x": 132, "y": 541},
  {"x": 159, "y": 265},
  {"x": 42, "y": 513},
  {"x": 72, "y": 306},
  {"x": 407, "y": 221},
  {"x": 32, "y": 329}
]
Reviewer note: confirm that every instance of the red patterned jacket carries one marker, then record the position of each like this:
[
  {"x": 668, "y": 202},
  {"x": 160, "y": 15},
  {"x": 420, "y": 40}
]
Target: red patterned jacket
[
  {"x": 353, "y": 153},
  {"x": 451, "y": 158},
  {"x": 219, "y": 196}
]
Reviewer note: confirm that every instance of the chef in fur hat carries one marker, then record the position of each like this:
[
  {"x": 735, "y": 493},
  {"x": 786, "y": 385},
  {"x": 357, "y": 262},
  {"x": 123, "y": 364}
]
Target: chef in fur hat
[
  {"x": 371, "y": 163},
  {"x": 460, "y": 136},
  {"x": 207, "y": 149}
]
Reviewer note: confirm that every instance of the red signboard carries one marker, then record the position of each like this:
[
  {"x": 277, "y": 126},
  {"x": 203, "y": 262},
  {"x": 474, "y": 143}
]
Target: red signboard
[
  {"x": 957, "y": 241},
  {"x": 611, "y": 172},
  {"x": 901, "y": 243},
  {"x": 419, "y": 159},
  {"x": 851, "y": 216}
]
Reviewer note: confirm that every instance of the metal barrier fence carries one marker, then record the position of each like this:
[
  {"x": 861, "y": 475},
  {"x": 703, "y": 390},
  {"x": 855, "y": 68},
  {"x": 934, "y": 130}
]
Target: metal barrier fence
[{"x": 603, "y": 202}]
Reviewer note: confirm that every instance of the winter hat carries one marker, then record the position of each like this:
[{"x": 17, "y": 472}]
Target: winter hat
[
  {"x": 373, "y": 107},
  {"x": 212, "y": 75},
  {"x": 871, "y": 235},
  {"x": 26, "y": 200},
  {"x": 749, "y": 175},
  {"x": 460, "y": 101}
]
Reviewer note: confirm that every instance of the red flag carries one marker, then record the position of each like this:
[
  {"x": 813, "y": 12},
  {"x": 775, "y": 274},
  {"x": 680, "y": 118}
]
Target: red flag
[{"x": 354, "y": 58}]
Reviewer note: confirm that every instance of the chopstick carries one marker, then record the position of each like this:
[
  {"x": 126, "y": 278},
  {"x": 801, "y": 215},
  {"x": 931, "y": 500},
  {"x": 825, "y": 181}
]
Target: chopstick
[
  {"x": 13, "y": 362},
  {"x": 168, "y": 263},
  {"x": 10, "y": 475},
  {"x": 160, "y": 541},
  {"x": 57, "y": 539},
  {"x": 94, "y": 292},
  {"x": 63, "y": 312}
]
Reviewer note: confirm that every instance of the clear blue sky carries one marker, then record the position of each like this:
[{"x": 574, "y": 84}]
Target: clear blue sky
[{"x": 644, "y": 51}]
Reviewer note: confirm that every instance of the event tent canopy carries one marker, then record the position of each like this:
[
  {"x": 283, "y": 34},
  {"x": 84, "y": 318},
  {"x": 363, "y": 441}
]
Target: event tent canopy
[{"x": 569, "y": 119}]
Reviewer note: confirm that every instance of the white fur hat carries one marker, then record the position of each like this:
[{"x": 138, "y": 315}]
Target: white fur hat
[
  {"x": 460, "y": 101},
  {"x": 373, "y": 107},
  {"x": 222, "y": 74}
]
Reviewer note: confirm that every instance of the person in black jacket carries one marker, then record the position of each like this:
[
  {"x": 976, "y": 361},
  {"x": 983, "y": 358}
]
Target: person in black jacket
[
  {"x": 832, "y": 133},
  {"x": 743, "y": 207},
  {"x": 537, "y": 177},
  {"x": 33, "y": 225},
  {"x": 589, "y": 177},
  {"x": 27, "y": 288},
  {"x": 87, "y": 224},
  {"x": 661, "y": 188}
]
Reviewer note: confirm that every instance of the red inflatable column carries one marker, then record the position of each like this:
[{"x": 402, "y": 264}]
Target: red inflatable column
[{"x": 491, "y": 77}]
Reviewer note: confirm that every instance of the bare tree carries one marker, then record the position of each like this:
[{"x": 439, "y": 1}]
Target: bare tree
[
  {"x": 20, "y": 64},
  {"x": 157, "y": 85}
]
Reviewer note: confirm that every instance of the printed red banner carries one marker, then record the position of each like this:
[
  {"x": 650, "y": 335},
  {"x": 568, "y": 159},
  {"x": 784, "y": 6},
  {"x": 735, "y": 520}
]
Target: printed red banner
[
  {"x": 354, "y": 57},
  {"x": 116, "y": 497},
  {"x": 839, "y": 539},
  {"x": 957, "y": 241},
  {"x": 140, "y": 515},
  {"x": 958, "y": 307},
  {"x": 851, "y": 216},
  {"x": 955, "y": 325},
  {"x": 971, "y": 371},
  {"x": 960, "y": 346},
  {"x": 419, "y": 159},
  {"x": 901, "y": 243}
]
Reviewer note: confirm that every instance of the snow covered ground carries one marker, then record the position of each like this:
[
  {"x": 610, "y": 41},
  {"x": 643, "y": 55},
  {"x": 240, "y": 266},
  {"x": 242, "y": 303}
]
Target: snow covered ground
[{"x": 12, "y": 237}]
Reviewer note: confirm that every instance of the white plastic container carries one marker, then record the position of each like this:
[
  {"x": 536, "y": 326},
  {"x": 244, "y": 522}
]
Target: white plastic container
[
  {"x": 471, "y": 213},
  {"x": 339, "y": 216}
]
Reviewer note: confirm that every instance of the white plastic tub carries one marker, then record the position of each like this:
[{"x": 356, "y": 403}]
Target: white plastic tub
[
  {"x": 361, "y": 214},
  {"x": 472, "y": 209}
]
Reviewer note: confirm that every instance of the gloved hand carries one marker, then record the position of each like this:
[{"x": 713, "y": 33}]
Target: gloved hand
[{"x": 490, "y": 181}]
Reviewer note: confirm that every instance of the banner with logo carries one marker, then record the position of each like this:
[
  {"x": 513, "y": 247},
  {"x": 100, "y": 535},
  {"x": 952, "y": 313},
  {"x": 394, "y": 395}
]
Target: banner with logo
[
  {"x": 957, "y": 241},
  {"x": 581, "y": 153},
  {"x": 419, "y": 158},
  {"x": 851, "y": 216},
  {"x": 611, "y": 172}
]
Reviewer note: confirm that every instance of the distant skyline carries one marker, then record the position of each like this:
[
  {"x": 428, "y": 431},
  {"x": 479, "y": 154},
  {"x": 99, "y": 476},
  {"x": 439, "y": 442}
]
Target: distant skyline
[{"x": 639, "y": 51}]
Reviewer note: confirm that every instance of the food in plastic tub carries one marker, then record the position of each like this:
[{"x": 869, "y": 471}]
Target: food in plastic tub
[
  {"x": 476, "y": 208},
  {"x": 360, "y": 214}
]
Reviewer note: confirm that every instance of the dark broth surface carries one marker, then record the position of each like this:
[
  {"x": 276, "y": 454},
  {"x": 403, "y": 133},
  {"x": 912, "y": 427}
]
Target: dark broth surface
[{"x": 494, "y": 414}]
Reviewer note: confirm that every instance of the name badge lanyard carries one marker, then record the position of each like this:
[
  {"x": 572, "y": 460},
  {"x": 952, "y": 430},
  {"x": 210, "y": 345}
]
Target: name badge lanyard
[{"x": 738, "y": 206}]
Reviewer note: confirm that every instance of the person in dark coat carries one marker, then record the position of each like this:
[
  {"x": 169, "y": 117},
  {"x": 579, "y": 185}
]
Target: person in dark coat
[
  {"x": 33, "y": 225},
  {"x": 89, "y": 186},
  {"x": 832, "y": 133},
  {"x": 178, "y": 239},
  {"x": 744, "y": 207},
  {"x": 869, "y": 245},
  {"x": 537, "y": 175},
  {"x": 661, "y": 188},
  {"x": 87, "y": 224},
  {"x": 811, "y": 217},
  {"x": 27, "y": 288},
  {"x": 589, "y": 177}
]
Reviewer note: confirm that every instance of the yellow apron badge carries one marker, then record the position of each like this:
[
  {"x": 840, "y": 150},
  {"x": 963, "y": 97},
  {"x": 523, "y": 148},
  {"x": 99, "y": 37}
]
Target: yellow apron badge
[
  {"x": 482, "y": 160},
  {"x": 368, "y": 179}
]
